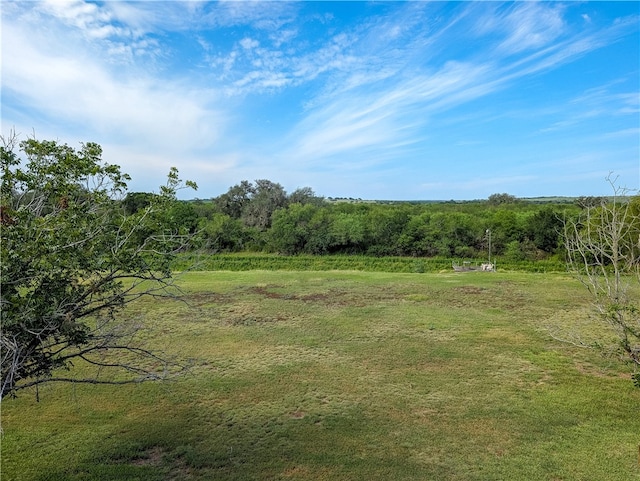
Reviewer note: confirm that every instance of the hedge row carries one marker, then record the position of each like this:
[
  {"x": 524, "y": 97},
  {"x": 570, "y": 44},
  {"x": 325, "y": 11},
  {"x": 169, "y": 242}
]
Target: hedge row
[{"x": 247, "y": 262}]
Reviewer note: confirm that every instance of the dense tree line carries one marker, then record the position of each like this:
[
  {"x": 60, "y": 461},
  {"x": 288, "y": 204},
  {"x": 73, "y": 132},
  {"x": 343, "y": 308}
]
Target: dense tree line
[
  {"x": 520, "y": 232},
  {"x": 262, "y": 216}
]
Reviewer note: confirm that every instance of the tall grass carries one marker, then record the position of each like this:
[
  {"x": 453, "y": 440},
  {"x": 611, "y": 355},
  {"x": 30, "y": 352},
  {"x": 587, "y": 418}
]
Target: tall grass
[{"x": 254, "y": 261}]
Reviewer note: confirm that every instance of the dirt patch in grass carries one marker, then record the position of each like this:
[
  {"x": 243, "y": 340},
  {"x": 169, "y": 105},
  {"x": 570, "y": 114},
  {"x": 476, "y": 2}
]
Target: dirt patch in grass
[
  {"x": 470, "y": 290},
  {"x": 504, "y": 295},
  {"x": 202, "y": 299},
  {"x": 243, "y": 318},
  {"x": 331, "y": 297},
  {"x": 151, "y": 457}
]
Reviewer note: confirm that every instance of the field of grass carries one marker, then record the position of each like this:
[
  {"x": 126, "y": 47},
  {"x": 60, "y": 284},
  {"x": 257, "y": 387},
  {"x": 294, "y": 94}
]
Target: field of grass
[{"x": 321, "y": 375}]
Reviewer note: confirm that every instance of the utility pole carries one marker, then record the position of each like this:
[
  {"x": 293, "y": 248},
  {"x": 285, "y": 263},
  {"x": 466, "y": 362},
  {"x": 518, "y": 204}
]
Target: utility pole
[{"x": 489, "y": 235}]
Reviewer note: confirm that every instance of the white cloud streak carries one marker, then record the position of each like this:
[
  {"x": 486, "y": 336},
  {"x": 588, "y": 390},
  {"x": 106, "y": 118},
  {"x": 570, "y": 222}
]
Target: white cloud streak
[
  {"x": 373, "y": 88},
  {"x": 386, "y": 116}
]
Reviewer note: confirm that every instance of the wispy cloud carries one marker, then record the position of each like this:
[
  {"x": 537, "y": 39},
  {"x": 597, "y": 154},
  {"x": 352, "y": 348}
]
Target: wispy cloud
[
  {"x": 530, "y": 25},
  {"x": 187, "y": 80},
  {"x": 597, "y": 103},
  {"x": 384, "y": 114}
]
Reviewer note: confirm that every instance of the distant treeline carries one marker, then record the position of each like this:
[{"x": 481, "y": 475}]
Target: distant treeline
[{"x": 262, "y": 217}]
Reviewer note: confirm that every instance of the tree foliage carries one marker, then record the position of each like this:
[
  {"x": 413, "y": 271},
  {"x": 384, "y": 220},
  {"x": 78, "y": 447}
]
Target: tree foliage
[
  {"x": 261, "y": 216},
  {"x": 497, "y": 199},
  {"x": 73, "y": 255},
  {"x": 267, "y": 197}
]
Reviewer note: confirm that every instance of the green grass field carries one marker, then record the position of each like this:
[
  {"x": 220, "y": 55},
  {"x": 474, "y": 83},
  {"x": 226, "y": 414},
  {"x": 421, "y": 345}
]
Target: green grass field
[{"x": 347, "y": 376}]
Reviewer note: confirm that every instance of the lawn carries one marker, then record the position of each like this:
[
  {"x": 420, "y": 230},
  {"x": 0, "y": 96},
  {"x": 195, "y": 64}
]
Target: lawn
[{"x": 347, "y": 376}]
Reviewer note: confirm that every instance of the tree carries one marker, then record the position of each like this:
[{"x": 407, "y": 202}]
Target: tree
[
  {"x": 134, "y": 201},
  {"x": 347, "y": 232},
  {"x": 223, "y": 233},
  {"x": 181, "y": 218},
  {"x": 498, "y": 199},
  {"x": 235, "y": 199},
  {"x": 267, "y": 197},
  {"x": 544, "y": 229},
  {"x": 589, "y": 201},
  {"x": 384, "y": 226},
  {"x": 291, "y": 228},
  {"x": 414, "y": 240},
  {"x": 72, "y": 257},
  {"x": 305, "y": 195},
  {"x": 603, "y": 251}
]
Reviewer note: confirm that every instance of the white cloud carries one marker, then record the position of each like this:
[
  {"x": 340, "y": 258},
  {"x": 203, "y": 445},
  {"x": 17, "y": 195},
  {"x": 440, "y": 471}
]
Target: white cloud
[
  {"x": 370, "y": 91},
  {"x": 370, "y": 115},
  {"x": 172, "y": 121},
  {"x": 385, "y": 119},
  {"x": 76, "y": 12},
  {"x": 283, "y": 36},
  {"x": 531, "y": 25},
  {"x": 248, "y": 43},
  {"x": 262, "y": 15}
]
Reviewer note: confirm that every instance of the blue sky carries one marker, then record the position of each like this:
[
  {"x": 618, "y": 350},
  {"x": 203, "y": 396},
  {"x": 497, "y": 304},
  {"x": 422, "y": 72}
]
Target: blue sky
[{"x": 371, "y": 100}]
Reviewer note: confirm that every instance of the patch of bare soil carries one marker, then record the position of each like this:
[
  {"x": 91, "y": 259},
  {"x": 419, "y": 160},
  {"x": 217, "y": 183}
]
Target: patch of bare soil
[
  {"x": 505, "y": 296},
  {"x": 336, "y": 297},
  {"x": 151, "y": 457},
  {"x": 470, "y": 290},
  {"x": 200, "y": 299}
]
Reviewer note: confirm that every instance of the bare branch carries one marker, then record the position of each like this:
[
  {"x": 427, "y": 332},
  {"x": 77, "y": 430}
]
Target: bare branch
[{"x": 603, "y": 252}]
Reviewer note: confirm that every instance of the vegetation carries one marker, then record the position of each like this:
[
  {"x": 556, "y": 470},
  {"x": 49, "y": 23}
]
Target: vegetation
[
  {"x": 346, "y": 376},
  {"x": 603, "y": 247},
  {"x": 72, "y": 257},
  {"x": 316, "y": 350},
  {"x": 252, "y": 261},
  {"x": 264, "y": 218}
]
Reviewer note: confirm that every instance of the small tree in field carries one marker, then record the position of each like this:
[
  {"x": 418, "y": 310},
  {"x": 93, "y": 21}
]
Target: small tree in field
[
  {"x": 603, "y": 251},
  {"x": 72, "y": 257}
]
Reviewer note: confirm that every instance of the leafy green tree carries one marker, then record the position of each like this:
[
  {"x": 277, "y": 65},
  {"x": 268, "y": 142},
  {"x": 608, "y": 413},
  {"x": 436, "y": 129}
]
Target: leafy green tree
[
  {"x": 505, "y": 228},
  {"x": 205, "y": 209},
  {"x": 451, "y": 234},
  {"x": 544, "y": 228},
  {"x": 72, "y": 257},
  {"x": 267, "y": 197},
  {"x": 223, "y": 233},
  {"x": 305, "y": 195},
  {"x": 414, "y": 240},
  {"x": 347, "y": 232},
  {"x": 291, "y": 228},
  {"x": 319, "y": 232},
  {"x": 384, "y": 228},
  {"x": 181, "y": 217},
  {"x": 498, "y": 199},
  {"x": 234, "y": 201},
  {"x": 135, "y": 201}
]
